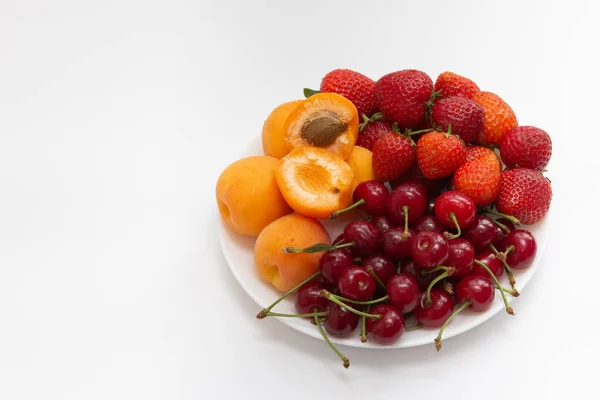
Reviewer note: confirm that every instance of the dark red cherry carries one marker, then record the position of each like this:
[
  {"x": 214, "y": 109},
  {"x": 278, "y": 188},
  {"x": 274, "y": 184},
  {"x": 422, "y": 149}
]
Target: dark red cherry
[
  {"x": 364, "y": 235},
  {"x": 490, "y": 260},
  {"x": 383, "y": 223},
  {"x": 388, "y": 328},
  {"x": 340, "y": 322},
  {"x": 507, "y": 223},
  {"x": 409, "y": 267},
  {"x": 481, "y": 233},
  {"x": 370, "y": 197},
  {"x": 523, "y": 248},
  {"x": 404, "y": 292},
  {"x": 356, "y": 283},
  {"x": 409, "y": 196},
  {"x": 429, "y": 223},
  {"x": 332, "y": 263},
  {"x": 309, "y": 299},
  {"x": 383, "y": 266},
  {"x": 434, "y": 314},
  {"x": 429, "y": 249},
  {"x": 476, "y": 289},
  {"x": 396, "y": 244},
  {"x": 461, "y": 254},
  {"x": 455, "y": 205}
]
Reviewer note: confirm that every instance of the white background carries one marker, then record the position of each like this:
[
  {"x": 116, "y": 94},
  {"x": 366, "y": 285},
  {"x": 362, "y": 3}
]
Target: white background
[{"x": 116, "y": 118}]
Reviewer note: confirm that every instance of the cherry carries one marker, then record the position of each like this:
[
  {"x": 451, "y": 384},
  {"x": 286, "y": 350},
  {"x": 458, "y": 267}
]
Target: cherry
[
  {"x": 396, "y": 243},
  {"x": 503, "y": 226},
  {"x": 383, "y": 223},
  {"x": 520, "y": 248},
  {"x": 508, "y": 224},
  {"x": 461, "y": 254},
  {"x": 340, "y": 322},
  {"x": 429, "y": 249},
  {"x": 437, "y": 312},
  {"x": 383, "y": 266},
  {"x": 364, "y": 235},
  {"x": 482, "y": 232},
  {"x": 389, "y": 327},
  {"x": 309, "y": 299},
  {"x": 406, "y": 204},
  {"x": 488, "y": 257},
  {"x": 455, "y": 209},
  {"x": 370, "y": 197},
  {"x": 471, "y": 291},
  {"x": 409, "y": 267},
  {"x": 403, "y": 291},
  {"x": 332, "y": 263},
  {"x": 429, "y": 223},
  {"x": 338, "y": 240},
  {"x": 356, "y": 283}
]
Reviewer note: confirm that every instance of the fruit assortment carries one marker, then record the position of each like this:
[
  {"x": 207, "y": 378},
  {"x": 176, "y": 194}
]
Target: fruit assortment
[{"x": 430, "y": 181}]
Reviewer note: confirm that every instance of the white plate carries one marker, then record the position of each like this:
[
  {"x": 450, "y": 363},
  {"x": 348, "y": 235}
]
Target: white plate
[{"x": 238, "y": 251}]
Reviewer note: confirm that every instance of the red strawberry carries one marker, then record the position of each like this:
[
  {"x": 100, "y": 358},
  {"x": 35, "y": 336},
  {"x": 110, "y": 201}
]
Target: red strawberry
[
  {"x": 527, "y": 147},
  {"x": 372, "y": 132},
  {"x": 393, "y": 154},
  {"x": 354, "y": 86},
  {"x": 401, "y": 97},
  {"x": 525, "y": 194},
  {"x": 479, "y": 178},
  {"x": 464, "y": 115},
  {"x": 451, "y": 84},
  {"x": 474, "y": 152},
  {"x": 440, "y": 154},
  {"x": 498, "y": 118}
]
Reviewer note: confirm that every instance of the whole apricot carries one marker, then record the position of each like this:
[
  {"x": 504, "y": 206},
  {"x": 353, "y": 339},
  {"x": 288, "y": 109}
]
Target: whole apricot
[
  {"x": 273, "y": 133},
  {"x": 248, "y": 196}
]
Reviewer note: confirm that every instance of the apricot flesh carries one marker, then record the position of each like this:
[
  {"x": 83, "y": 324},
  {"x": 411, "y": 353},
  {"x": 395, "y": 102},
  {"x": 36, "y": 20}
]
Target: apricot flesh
[{"x": 248, "y": 196}]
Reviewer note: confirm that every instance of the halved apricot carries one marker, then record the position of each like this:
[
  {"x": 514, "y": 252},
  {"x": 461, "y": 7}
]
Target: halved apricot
[
  {"x": 325, "y": 120},
  {"x": 314, "y": 182}
]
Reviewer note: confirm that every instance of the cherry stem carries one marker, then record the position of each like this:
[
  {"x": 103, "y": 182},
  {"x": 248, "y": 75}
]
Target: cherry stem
[
  {"x": 316, "y": 248},
  {"x": 448, "y": 288},
  {"x": 372, "y": 272},
  {"x": 344, "y": 359},
  {"x": 450, "y": 236},
  {"x": 314, "y": 314},
  {"x": 363, "y": 329},
  {"x": 362, "y": 303},
  {"x": 438, "y": 339},
  {"x": 502, "y": 226},
  {"x": 430, "y": 271},
  {"x": 405, "y": 209},
  {"x": 325, "y": 293},
  {"x": 512, "y": 292},
  {"x": 334, "y": 214},
  {"x": 263, "y": 313},
  {"x": 506, "y": 305},
  {"x": 399, "y": 268},
  {"x": 449, "y": 271},
  {"x": 413, "y": 328},
  {"x": 502, "y": 257},
  {"x": 512, "y": 219}
]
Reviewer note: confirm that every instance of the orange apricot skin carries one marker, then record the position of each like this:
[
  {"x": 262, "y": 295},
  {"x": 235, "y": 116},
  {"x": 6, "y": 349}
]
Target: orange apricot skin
[
  {"x": 248, "y": 196},
  {"x": 284, "y": 271},
  {"x": 361, "y": 162},
  {"x": 273, "y": 133}
]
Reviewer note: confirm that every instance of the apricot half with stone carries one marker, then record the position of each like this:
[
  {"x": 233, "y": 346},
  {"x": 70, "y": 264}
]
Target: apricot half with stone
[
  {"x": 325, "y": 120},
  {"x": 314, "y": 182}
]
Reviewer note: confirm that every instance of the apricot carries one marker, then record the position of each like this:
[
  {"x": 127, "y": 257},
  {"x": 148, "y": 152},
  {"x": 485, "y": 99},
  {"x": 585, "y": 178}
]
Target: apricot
[
  {"x": 361, "y": 162},
  {"x": 284, "y": 271},
  {"x": 248, "y": 196},
  {"x": 325, "y": 120},
  {"x": 314, "y": 182},
  {"x": 273, "y": 133}
]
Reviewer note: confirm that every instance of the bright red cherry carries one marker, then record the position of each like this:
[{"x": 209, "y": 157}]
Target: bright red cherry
[
  {"x": 403, "y": 290},
  {"x": 437, "y": 312},
  {"x": 481, "y": 233},
  {"x": 490, "y": 260},
  {"x": 406, "y": 197},
  {"x": 309, "y": 299},
  {"x": 340, "y": 322},
  {"x": 389, "y": 327},
  {"x": 455, "y": 209},
  {"x": 364, "y": 235},
  {"x": 383, "y": 266},
  {"x": 461, "y": 255},
  {"x": 356, "y": 283},
  {"x": 429, "y": 223},
  {"x": 396, "y": 243},
  {"x": 520, "y": 248},
  {"x": 383, "y": 223},
  {"x": 429, "y": 249},
  {"x": 370, "y": 197},
  {"x": 478, "y": 290}
]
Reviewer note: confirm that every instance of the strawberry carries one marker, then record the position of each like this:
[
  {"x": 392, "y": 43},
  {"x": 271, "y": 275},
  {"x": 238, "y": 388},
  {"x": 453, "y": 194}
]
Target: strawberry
[
  {"x": 450, "y": 84},
  {"x": 393, "y": 154},
  {"x": 474, "y": 152},
  {"x": 462, "y": 114},
  {"x": 439, "y": 154},
  {"x": 372, "y": 132},
  {"x": 401, "y": 97},
  {"x": 479, "y": 178},
  {"x": 498, "y": 119},
  {"x": 527, "y": 147},
  {"x": 354, "y": 86},
  {"x": 525, "y": 194}
]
